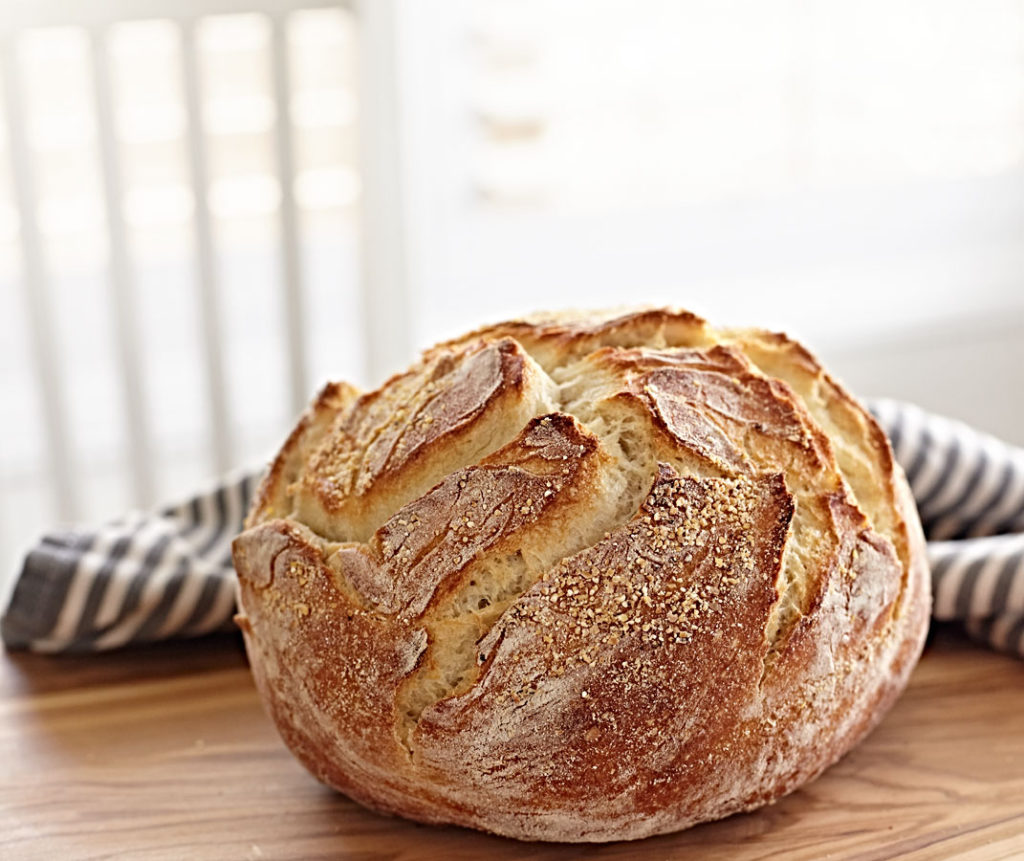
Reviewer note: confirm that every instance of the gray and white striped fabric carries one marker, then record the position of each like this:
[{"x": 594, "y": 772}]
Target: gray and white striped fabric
[
  {"x": 136, "y": 579},
  {"x": 153, "y": 577},
  {"x": 969, "y": 489}
]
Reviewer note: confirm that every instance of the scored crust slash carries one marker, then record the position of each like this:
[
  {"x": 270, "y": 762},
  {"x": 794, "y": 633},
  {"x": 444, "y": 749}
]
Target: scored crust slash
[{"x": 583, "y": 577}]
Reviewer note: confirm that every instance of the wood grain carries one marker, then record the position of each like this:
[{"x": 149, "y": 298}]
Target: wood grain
[{"x": 164, "y": 753}]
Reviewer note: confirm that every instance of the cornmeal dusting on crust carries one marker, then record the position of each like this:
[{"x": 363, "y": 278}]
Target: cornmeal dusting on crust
[
  {"x": 647, "y": 592},
  {"x": 583, "y": 577}
]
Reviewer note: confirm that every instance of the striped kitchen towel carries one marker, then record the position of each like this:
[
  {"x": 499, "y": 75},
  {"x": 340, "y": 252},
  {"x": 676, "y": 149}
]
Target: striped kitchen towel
[{"x": 169, "y": 574}]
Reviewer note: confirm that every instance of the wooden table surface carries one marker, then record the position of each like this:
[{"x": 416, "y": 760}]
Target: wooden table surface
[{"x": 164, "y": 752}]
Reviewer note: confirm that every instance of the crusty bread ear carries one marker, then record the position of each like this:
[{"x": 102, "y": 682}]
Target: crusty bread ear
[
  {"x": 862, "y": 451},
  {"x": 275, "y": 497},
  {"x": 583, "y": 577},
  {"x": 395, "y": 443}
]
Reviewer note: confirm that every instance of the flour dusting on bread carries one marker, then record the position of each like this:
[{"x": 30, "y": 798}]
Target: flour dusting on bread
[{"x": 581, "y": 577}]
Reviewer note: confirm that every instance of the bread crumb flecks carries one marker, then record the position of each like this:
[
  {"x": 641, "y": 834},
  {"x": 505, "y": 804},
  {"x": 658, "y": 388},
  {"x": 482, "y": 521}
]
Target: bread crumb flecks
[{"x": 635, "y": 584}]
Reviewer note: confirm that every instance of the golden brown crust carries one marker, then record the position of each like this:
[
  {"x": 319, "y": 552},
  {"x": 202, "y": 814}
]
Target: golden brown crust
[
  {"x": 555, "y": 338},
  {"x": 638, "y": 619},
  {"x": 273, "y": 497},
  {"x": 896, "y": 516},
  {"x": 634, "y": 574},
  {"x": 433, "y": 539},
  {"x": 392, "y": 444}
]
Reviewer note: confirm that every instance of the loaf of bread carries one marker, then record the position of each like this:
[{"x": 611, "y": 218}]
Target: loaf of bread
[{"x": 583, "y": 577}]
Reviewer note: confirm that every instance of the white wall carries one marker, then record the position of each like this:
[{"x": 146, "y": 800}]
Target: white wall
[{"x": 972, "y": 370}]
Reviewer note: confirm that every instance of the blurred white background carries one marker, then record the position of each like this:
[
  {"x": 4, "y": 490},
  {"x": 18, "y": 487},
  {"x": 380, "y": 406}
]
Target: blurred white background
[{"x": 209, "y": 207}]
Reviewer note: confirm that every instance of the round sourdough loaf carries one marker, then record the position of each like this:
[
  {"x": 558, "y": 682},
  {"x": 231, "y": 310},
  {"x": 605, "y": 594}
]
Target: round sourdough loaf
[{"x": 583, "y": 577}]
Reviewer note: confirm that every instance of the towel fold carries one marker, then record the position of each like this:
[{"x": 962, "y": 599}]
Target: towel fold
[{"x": 146, "y": 577}]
